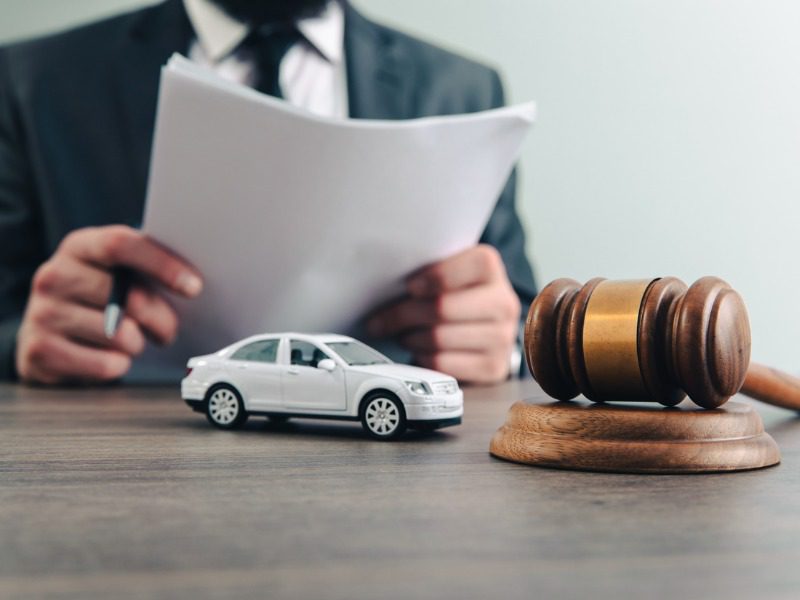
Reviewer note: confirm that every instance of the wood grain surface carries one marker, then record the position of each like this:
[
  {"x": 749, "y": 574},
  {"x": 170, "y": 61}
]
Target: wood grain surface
[
  {"x": 631, "y": 438},
  {"x": 125, "y": 493},
  {"x": 772, "y": 386}
]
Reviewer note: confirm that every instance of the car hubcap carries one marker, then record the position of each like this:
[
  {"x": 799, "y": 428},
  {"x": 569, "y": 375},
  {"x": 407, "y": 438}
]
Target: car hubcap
[
  {"x": 383, "y": 417},
  {"x": 223, "y": 407}
]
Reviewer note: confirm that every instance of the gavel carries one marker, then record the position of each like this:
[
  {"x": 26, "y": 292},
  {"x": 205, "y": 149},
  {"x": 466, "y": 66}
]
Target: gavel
[{"x": 648, "y": 340}]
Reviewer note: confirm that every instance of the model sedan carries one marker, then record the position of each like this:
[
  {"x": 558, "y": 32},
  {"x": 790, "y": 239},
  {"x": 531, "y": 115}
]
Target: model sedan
[{"x": 319, "y": 376}]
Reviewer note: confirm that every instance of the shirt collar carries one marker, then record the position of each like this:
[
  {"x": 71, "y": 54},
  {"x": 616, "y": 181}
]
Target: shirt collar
[{"x": 219, "y": 34}]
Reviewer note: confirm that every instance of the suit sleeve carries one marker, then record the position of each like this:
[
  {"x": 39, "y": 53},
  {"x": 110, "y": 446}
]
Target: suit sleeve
[
  {"x": 19, "y": 229},
  {"x": 505, "y": 231}
]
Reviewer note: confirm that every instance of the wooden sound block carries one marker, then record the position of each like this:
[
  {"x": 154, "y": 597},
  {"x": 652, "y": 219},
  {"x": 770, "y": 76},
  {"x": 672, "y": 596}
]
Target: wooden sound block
[{"x": 635, "y": 438}]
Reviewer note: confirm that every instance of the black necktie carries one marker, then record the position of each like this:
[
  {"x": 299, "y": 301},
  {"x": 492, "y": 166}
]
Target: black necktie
[{"x": 268, "y": 49}]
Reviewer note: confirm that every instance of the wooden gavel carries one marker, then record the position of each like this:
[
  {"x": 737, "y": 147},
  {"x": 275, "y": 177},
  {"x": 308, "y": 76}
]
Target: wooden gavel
[{"x": 648, "y": 340}]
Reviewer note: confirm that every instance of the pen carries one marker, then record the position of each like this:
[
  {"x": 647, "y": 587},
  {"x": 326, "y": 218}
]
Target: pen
[{"x": 115, "y": 307}]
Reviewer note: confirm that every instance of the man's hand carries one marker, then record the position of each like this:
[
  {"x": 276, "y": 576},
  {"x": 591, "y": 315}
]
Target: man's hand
[
  {"x": 61, "y": 338},
  {"x": 461, "y": 317}
]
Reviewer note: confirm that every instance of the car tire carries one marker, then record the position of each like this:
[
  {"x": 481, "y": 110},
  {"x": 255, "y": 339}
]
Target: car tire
[
  {"x": 224, "y": 407},
  {"x": 383, "y": 416}
]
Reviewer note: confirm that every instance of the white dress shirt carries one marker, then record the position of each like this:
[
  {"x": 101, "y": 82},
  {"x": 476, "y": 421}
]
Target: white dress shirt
[{"x": 312, "y": 73}]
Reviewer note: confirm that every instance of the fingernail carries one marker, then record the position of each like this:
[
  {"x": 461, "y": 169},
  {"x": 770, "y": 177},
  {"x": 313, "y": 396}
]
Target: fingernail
[{"x": 189, "y": 284}]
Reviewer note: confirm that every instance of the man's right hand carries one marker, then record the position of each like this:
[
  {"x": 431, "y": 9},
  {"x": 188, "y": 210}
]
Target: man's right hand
[{"x": 61, "y": 338}]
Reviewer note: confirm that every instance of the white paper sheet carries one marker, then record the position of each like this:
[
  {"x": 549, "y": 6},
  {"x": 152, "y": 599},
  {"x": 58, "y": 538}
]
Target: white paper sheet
[{"x": 304, "y": 223}]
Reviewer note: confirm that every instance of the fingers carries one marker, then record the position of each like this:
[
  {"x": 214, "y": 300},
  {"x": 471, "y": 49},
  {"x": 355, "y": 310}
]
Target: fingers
[
  {"x": 53, "y": 359},
  {"x": 461, "y": 337},
  {"x": 61, "y": 341},
  {"x": 469, "y": 367},
  {"x": 117, "y": 245},
  {"x": 478, "y": 265},
  {"x": 469, "y": 334},
  {"x": 461, "y": 317},
  {"x": 84, "y": 325},
  {"x": 484, "y": 303},
  {"x": 61, "y": 337},
  {"x": 76, "y": 283},
  {"x": 67, "y": 278},
  {"x": 153, "y": 314}
]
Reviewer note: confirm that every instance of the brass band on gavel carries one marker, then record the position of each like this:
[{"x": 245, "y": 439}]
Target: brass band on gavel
[{"x": 610, "y": 339}]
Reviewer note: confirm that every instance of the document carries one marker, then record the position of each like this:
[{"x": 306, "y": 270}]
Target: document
[{"x": 304, "y": 223}]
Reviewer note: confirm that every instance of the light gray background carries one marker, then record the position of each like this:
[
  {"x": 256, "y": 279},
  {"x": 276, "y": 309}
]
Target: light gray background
[{"x": 668, "y": 137}]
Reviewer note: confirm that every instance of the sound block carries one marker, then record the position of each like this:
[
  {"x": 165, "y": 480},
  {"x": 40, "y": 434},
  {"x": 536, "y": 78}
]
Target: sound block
[{"x": 635, "y": 438}]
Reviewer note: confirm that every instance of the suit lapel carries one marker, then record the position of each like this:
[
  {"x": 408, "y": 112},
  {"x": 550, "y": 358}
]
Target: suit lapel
[
  {"x": 153, "y": 37},
  {"x": 379, "y": 74}
]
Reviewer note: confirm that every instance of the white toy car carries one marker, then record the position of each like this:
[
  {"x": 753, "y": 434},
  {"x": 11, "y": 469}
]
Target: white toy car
[{"x": 286, "y": 375}]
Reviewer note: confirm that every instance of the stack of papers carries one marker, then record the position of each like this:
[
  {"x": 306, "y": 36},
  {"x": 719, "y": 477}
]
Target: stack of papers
[{"x": 299, "y": 222}]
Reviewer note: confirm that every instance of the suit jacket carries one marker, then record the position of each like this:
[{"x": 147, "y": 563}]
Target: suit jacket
[{"x": 77, "y": 111}]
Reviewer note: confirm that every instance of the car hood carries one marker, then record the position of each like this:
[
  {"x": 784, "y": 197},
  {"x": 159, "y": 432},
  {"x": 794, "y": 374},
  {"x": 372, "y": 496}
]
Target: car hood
[{"x": 403, "y": 372}]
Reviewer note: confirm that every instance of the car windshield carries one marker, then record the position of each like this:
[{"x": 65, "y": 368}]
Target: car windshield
[{"x": 357, "y": 354}]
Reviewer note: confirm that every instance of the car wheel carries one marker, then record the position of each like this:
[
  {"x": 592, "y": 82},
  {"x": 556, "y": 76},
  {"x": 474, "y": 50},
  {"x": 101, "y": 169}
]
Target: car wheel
[
  {"x": 383, "y": 416},
  {"x": 224, "y": 407}
]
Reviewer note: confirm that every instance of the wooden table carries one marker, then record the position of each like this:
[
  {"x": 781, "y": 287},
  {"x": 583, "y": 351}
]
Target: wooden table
[{"x": 125, "y": 493}]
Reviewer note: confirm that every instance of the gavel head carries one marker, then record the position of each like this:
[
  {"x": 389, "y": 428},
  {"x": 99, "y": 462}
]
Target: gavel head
[{"x": 652, "y": 340}]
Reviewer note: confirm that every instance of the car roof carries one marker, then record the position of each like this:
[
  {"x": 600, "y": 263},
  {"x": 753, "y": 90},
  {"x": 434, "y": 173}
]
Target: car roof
[{"x": 323, "y": 338}]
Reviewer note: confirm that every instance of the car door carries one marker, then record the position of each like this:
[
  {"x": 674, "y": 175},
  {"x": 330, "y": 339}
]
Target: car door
[
  {"x": 309, "y": 388},
  {"x": 255, "y": 371}
]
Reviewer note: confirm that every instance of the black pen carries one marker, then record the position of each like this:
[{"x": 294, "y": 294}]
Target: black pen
[{"x": 115, "y": 307}]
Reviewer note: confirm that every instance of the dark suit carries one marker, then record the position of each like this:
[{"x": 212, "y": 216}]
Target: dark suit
[{"x": 76, "y": 124}]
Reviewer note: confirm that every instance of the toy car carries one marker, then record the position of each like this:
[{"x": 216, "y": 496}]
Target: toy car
[{"x": 287, "y": 375}]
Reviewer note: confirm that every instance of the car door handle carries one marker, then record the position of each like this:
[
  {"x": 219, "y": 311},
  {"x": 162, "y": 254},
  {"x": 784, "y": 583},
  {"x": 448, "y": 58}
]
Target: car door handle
[
  {"x": 242, "y": 367},
  {"x": 293, "y": 372}
]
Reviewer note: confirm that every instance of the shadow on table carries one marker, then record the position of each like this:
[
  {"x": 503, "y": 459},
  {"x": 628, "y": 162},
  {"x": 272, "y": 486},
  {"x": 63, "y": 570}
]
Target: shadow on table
[{"x": 313, "y": 429}]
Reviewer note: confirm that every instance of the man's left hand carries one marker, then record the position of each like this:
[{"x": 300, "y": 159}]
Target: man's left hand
[{"x": 461, "y": 317}]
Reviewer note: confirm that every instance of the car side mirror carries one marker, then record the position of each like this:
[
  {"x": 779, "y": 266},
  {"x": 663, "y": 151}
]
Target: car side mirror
[{"x": 326, "y": 364}]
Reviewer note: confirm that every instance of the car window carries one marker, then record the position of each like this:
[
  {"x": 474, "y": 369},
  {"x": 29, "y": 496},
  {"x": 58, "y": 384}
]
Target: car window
[
  {"x": 357, "y": 354},
  {"x": 261, "y": 351},
  {"x": 306, "y": 354}
]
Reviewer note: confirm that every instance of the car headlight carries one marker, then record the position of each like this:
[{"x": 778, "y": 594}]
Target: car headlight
[{"x": 418, "y": 387}]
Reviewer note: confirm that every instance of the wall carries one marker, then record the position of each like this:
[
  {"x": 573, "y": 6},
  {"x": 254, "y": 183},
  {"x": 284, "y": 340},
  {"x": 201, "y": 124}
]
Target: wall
[{"x": 668, "y": 139}]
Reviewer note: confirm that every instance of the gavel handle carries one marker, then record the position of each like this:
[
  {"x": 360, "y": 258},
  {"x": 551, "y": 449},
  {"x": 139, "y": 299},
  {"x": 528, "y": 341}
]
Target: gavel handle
[{"x": 772, "y": 386}]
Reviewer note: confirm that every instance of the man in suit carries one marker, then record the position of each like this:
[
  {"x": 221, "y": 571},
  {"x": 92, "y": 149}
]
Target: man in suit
[{"x": 76, "y": 122}]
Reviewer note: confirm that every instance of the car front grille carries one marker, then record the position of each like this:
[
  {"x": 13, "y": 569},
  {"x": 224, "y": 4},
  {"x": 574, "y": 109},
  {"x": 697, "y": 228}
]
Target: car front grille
[{"x": 445, "y": 387}]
